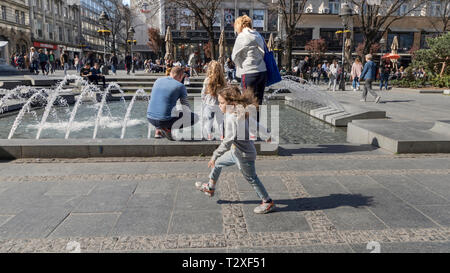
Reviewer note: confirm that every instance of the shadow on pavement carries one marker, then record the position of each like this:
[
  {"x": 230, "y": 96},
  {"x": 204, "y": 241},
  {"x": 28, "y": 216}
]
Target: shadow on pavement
[
  {"x": 394, "y": 101},
  {"x": 331, "y": 201},
  {"x": 325, "y": 149}
]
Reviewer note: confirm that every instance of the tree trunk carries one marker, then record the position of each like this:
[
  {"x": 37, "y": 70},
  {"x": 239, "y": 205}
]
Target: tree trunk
[
  {"x": 443, "y": 69},
  {"x": 288, "y": 54},
  {"x": 212, "y": 46}
]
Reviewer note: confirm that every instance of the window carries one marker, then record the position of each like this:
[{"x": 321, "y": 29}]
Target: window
[
  {"x": 3, "y": 13},
  {"x": 402, "y": 10},
  {"x": 302, "y": 37},
  {"x": 334, "y": 42},
  {"x": 436, "y": 9},
  {"x": 17, "y": 17},
  {"x": 273, "y": 20},
  {"x": 229, "y": 19},
  {"x": 405, "y": 40},
  {"x": 258, "y": 19},
  {"x": 334, "y": 6},
  {"x": 23, "y": 17}
]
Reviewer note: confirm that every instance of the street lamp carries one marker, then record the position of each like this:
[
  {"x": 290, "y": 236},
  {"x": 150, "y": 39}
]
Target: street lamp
[
  {"x": 345, "y": 14},
  {"x": 131, "y": 41},
  {"x": 278, "y": 49},
  {"x": 104, "y": 19}
]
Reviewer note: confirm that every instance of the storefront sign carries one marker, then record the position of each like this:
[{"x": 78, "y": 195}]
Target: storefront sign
[
  {"x": 42, "y": 45},
  {"x": 258, "y": 18}
]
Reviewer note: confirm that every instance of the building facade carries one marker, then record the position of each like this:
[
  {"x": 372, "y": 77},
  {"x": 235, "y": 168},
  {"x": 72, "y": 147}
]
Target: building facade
[
  {"x": 56, "y": 26},
  {"x": 320, "y": 19},
  {"x": 15, "y": 29}
]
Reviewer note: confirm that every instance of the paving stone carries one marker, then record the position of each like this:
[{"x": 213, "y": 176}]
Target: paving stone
[
  {"x": 85, "y": 225},
  {"x": 157, "y": 185},
  {"x": 272, "y": 184},
  {"x": 72, "y": 188},
  {"x": 5, "y": 218},
  {"x": 389, "y": 208},
  {"x": 196, "y": 222},
  {"x": 440, "y": 214},
  {"x": 345, "y": 210},
  {"x": 33, "y": 223},
  {"x": 107, "y": 197},
  {"x": 341, "y": 248},
  {"x": 434, "y": 182},
  {"x": 163, "y": 201},
  {"x": 141, "y": 222},
  {"x": 286, "y": 217},
  {"x": 407, "y": 247},
  {"x": 22, "y": 195},
  {"x": 409, "y": 190},
  {"x": 189, "y": 198}
]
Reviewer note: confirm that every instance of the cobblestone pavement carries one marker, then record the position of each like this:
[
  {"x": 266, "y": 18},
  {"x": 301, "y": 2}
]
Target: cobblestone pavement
[{"x": 325, "y": 203}]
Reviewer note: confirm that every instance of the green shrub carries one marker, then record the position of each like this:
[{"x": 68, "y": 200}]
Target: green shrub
[{"x": 442, "y": 82}]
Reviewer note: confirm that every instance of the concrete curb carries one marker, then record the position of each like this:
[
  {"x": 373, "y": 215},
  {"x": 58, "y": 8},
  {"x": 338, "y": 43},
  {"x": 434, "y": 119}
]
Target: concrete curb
[{"x": 84, "y": 148}]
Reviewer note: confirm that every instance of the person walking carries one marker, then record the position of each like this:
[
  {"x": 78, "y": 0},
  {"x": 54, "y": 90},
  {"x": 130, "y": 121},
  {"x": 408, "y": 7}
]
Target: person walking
[
  {"x": 385, "y": 72},
  {"x": 114, "y": 62},
  {"x": 356, "y": 73},
  {"x": 316, "y": 74},
  {"x": 51, "y": 61},
  {"x": 128, "y": 63},
  {"x": 43, "y": 60},
  {"x": 191, "y": 62},
  {"x": 77, "y": 63},
  {"x": 34, "y": 61},
  {"x": 333, "y": 75},
  {"x": 64, "y": 59},
  {"x": 236, "y": 148},
  {"x": 248, "y": 55},
  {"x": 368, "y": 75}
]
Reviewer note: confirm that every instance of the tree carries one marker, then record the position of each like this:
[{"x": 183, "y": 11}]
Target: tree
[
  {"x": 437, "y": 56},
  {"x": 121, "y": 18},
  {"x": 440, "y": 18},
  {"x": 376, "y": 16},
  {"x": 155, "y": 41},
  {"x": 374, "y": 48},
  {"x": 204, "y": 12},
  {"x": 317, "y": 48},
  {"x": 291, "y": 12}
]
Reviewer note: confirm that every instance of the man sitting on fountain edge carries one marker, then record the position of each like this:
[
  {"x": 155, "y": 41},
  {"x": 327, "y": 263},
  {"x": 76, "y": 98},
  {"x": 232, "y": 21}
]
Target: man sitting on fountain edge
[{"x": 165, "y": 94}]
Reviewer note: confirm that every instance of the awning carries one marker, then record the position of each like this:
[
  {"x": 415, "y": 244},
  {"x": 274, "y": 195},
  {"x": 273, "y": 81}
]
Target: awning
[{"x": 3, "y": 43}]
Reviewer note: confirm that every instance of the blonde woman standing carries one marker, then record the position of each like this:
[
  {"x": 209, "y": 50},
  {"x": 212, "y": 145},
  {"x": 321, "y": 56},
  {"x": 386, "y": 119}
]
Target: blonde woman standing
[
  {"x": 356, "y": 73},
  {"x": 248, "y": 55}
]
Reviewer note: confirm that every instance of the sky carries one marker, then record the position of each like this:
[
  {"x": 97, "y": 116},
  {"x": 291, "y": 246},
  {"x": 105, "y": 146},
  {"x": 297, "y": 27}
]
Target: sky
[{"x": 126, "y": 2}]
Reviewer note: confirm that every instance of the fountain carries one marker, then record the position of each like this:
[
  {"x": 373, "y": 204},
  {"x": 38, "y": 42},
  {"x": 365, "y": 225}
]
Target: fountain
[
  {"x": 25, "y": 108},
  {"x": 139, "y": 92}
]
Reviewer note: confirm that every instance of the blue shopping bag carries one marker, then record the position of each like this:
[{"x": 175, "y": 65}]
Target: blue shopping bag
[{"x": 273, "y": 74}]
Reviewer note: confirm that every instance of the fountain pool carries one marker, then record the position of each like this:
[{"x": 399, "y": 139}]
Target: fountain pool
[{"x": 295, "y": 126}]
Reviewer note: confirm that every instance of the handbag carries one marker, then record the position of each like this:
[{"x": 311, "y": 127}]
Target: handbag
[{"x": 273, "y": 75}]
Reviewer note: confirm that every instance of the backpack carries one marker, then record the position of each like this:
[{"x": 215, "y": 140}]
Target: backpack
[{"x": 273, "y": 74}]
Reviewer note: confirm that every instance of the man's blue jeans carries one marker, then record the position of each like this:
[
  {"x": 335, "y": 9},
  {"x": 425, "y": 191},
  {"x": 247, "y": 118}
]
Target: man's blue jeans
[
  {"x": 384, "y": 79},
  {"x": 355, "y": 83},
  {"x": 247, "y": 168}
]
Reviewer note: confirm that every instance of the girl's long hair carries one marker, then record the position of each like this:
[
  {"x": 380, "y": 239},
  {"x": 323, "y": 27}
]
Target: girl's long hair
[
  {"x": 216, "y": 78},
  {"x": 240, "y": 101}
]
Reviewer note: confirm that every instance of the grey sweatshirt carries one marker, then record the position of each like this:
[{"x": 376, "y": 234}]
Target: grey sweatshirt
[
  {"x": 248, "y": 53},
  {"x": 236, "y": 138}
]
